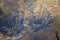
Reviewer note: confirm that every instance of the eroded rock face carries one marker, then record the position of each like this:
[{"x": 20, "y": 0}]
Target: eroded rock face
[{"x": 21, "y": 17}]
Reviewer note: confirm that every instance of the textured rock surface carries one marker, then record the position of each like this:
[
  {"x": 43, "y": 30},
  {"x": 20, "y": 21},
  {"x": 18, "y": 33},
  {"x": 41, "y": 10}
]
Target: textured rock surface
[{"x": 29, "y": 20}]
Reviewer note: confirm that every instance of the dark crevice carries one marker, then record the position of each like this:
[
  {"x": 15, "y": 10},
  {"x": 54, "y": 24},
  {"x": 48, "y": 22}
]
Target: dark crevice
[
  {"x": 57, "y": 36},
  {"x": 1, "y": 11}
]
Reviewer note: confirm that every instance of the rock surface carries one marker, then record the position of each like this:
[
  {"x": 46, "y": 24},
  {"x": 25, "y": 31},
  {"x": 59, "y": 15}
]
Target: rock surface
[{"x": 29, "y": 20}]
